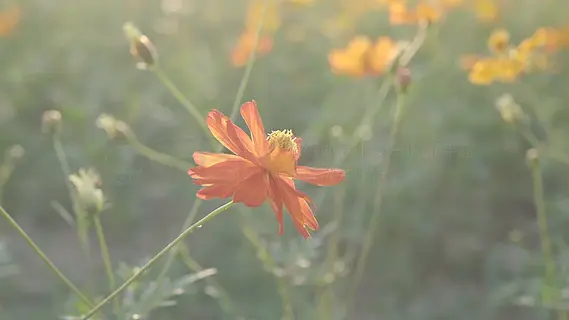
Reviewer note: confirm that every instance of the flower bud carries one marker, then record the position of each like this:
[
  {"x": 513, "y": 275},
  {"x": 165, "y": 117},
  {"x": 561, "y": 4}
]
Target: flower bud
[
  {"x": 89, "y": 196},
  {"x": 51, "y": 122},
  {"x": 141, "y": 48},
  {"x": 115, "y": 129},
  {"x": 510, "y": 111},
  {"x": 403, "y": 78}
]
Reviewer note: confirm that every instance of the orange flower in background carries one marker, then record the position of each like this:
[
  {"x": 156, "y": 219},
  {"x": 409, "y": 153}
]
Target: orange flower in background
[
  {"x": 364, "y": 57},
  {"x": 261, "y": 168},
  {"x": 9, "y": 19},
  {"x": 245, "y": 46}
]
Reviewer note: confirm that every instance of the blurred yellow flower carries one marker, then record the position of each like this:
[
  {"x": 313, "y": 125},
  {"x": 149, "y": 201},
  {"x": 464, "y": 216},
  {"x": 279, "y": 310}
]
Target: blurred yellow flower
[
  {"x": 9, "y": 19},
  {"x": 499, "y": 41},
  {"x": 363, "y": 57},
  {"x": 508, "y": 62},
  {"x": 400, "y": 13}
]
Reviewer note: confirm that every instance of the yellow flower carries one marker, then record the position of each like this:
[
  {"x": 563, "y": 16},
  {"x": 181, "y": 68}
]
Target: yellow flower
[
  {"x": 482, "y": 73},
  {"x": 351, "y": 60},
  {"x": 362, "y": 56},
  {"x": 499, "y": 41}
]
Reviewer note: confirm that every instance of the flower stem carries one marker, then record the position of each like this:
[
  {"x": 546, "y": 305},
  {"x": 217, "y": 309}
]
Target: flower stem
[
  {"x": 374, "y": 222},
  {"x": 106, "y": 259},
  {"x": 156, "y": 156},
  {"x": 190, "y": 107},
  {"x": 80, "y": 215},
  {"x": 550, "y": 293},
  {"x": 250, "y": 63},
  {"x": 44, "y": 257},
  {"x": 157, "y": 257}
]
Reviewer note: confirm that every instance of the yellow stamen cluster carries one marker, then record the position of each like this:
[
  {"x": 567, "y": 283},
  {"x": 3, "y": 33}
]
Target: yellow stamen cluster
[{"x": 284, "y": 139}]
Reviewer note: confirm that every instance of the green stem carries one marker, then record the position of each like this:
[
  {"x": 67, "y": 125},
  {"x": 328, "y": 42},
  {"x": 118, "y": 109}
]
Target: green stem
[
  {"x": 190, "y": 107},
  {"x": 550, "y": 292},
  {"x": 80, "y": 215},
  {"x": 374, "y": 222},
  {"x": 157, "y": 257},
  {"x": 249, "y": 66},
  {"x": 44, "y": 257},
  {"x": 161, "y": 158},
  {"x": 106, "y": 259}
]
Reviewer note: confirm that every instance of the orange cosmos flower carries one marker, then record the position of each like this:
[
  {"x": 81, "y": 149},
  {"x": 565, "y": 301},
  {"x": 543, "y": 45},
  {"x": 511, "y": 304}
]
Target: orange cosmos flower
[
  {"x": 363, "y": 57},
  {"x": 261, "y": 168}
]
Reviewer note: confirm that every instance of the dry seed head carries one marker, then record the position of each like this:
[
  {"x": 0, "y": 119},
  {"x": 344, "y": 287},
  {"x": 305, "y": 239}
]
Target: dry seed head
[
  {"x": 89, "y": 195},
  {"x": 510, "y": 111},
  {"x": 51, "y": 122},
  {"x": 532, "y": 157},
  {"x": 115, "y": 129}
]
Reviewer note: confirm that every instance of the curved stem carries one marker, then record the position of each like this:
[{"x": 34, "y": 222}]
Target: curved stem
[
  {"x": 190, "y": 107},
  {"x": 550, "y": 292},
  {"x": 44, "y": 257},
  {"x": 156, "y": 156},
  {"x": 157, "y": 257},
  {"x": 80, "y": 215},
  {"x": 106, "y": 259},
  {"x": 374, "y": 222}
]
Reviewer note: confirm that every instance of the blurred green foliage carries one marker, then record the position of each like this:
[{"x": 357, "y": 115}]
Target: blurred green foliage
[{"x": 459, "y": 185}]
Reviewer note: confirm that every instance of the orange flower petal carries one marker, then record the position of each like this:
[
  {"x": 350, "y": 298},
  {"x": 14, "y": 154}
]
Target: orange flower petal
[
  {"x": 276, "y": 203},
  {"x": 207, "y": 159},
  {"x": 230, "y": 135},
  {"x": 220, "y": 191},
  {"x": 224, "y": 172},
  {"x": 293, "y": 204},
  {"x": 250, "y": 114},
  {"x": 320, "y": 176},
  {"x": 252, "y": 191}
]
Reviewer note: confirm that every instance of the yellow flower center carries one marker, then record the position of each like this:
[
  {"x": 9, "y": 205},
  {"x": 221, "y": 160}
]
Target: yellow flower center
[{"x": 284, "y": 139}]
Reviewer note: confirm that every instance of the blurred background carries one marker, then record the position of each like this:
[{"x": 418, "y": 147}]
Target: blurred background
[{"x": 457, "y": 236}]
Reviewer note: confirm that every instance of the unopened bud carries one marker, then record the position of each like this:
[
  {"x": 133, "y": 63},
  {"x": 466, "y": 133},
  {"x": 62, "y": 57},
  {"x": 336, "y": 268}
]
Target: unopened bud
[
  {"x": 51, "y": 122},
  {"x": 510, "y": 111},
  {"x": 403, "y": 78},
  {"x": 141, "y": 48},
  {"x": 532, "y": 157},
  {"x": 89, "y": 196},
  {"x": 115, "y": 129}
]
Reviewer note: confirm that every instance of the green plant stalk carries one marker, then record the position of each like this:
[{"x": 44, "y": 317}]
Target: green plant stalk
[
  {"x": 550, "y": 292},
  {"x": 106, "y": 259},
  {"x": 374, "y": 222},
  {"x": 80, "y": 215},
  {"x": 153, "y": 155},
  {"x": 44, "y": 257},
  {"x": 157, "y": 257},
  {"x": 190, "y": 107}
]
